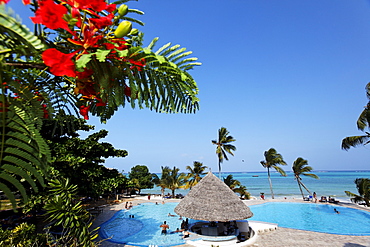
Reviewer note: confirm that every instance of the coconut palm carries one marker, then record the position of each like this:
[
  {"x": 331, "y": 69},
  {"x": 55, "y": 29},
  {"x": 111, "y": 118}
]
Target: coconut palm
[
  {"x": 301, "y": 167},
  {"x": 363, "y": 122},
  {"x": 162, "y": 181},
  {"x": 243, "y": 192},
  {"x": 194, "y": 175},
  {"x": 363, "y": 188},
  {"x": 272, "y": 160},
  {"x": 223, "y": 147},
  {"x": 236, "y": 186},
  {"x": 175, "y": 180},
  {"x": 231, "y": 182}
]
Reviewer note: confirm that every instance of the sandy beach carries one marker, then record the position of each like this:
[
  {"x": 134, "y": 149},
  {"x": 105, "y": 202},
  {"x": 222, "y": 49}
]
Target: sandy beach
[{"x": 280, "y": 238}]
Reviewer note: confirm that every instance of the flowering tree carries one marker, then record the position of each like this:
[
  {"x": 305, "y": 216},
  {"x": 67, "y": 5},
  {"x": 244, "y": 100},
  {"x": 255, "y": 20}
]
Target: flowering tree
[{"x": 83, "y": 58}]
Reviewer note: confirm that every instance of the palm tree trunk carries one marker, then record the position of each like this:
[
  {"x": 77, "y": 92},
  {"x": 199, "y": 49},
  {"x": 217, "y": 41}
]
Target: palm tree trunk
[
  {"x": 309, "y": 192},
  {"x": 219, "y": 168},
  {"x": 300, "y": 188},
  {"x": 272, "y": 192}
]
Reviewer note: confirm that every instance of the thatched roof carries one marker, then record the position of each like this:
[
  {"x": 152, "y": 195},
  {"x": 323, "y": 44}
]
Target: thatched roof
[{"x": 212, "y": 200}]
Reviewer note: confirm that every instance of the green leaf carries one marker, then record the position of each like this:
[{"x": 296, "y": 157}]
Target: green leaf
[
  {"x": 101, "y": 54},
  {"x": 83, "y": 61}
]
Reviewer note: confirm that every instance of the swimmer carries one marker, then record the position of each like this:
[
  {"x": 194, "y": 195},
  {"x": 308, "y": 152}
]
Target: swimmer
[{"x": 164, "y": 227}]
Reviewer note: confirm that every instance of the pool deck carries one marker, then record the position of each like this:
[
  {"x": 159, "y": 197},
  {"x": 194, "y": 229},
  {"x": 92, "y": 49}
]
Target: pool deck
[{"x": 281, "y": 237}]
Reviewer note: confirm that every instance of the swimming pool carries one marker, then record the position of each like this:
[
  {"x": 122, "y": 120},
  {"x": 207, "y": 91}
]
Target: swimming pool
[
  {"x": 144, "y": 230},
  {"x": 314, "y": 217}
]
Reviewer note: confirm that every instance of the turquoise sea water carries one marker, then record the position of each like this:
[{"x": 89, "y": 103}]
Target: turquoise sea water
[{"x": 331, "y": 183}]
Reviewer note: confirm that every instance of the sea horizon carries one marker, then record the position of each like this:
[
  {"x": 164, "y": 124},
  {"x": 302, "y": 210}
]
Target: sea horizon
[{"x": 331, "y": 183}]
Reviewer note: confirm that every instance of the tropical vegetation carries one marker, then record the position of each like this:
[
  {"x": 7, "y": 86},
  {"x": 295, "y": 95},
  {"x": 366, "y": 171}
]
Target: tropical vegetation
[
  {"x": 301, "y": 168},
  {"x": 83, "y": 58},
  {"x": 162, "y": 181},
  {"x": 272, "y": 161},
  {"x": 237, "y": 187},
  {"x": 194, "y": 175},
  {"x": 223, "y": 146},
  {"x": 141, "y": 177},
  {"x": 175, "y": 180},
  {"x": 363, "y": 189},
  {"x": 363, "y": 122}
]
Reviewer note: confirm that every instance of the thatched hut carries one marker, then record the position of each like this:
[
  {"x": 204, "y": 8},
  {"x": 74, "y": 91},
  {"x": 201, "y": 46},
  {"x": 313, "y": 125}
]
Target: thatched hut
[{"x": 212, "y": 200}]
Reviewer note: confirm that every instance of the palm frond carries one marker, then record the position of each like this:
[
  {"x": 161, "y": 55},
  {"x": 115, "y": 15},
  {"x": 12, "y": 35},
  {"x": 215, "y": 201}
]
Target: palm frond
[
  {"x": 363, "y": 120},
  {"x": 15, "y": 37},
  {"x": 353, "y": 141},
  {"x": 24, "y": 154},
  {"x": 160, "y": 85}
]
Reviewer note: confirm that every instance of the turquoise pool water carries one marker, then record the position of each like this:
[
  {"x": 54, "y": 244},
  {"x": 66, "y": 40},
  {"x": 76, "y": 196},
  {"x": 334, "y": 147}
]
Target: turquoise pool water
[
  {"x": 144, "y": 230},
  {"x": 314, "y": 217}
]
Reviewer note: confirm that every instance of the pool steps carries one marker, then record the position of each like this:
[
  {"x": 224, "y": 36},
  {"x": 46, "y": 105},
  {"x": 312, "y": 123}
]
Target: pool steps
[{"x": 262, "y": 227}]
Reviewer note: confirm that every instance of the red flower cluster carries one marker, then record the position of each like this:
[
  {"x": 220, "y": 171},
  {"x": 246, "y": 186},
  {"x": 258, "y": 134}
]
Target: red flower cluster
[
  {"x": 88, "y": 30},
  {"x": 60, "y": 63},
  {"x": 51, "y": 15}
]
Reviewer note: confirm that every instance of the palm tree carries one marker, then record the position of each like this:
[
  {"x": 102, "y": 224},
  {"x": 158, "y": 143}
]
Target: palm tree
[
  {"x": 175, "y": 180},
  {"x": 223, "y": 147},
  {"x": 363, "y": 188},
  {"x": 162, "y": 182},
  {"x": 363, "y": 122},
  {"x": 301, "y": 167},
  {"x": 194, "y": 175},
  {"x": 272, "y": 160},
  {"x": 243, "y": 192},
  {"x": 231, "y": 182},
  {"x": 236, "y": 186}
]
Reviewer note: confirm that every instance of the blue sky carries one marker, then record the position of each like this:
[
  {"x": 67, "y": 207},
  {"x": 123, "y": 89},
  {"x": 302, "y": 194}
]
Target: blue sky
[{"x": 285, "y": 74}]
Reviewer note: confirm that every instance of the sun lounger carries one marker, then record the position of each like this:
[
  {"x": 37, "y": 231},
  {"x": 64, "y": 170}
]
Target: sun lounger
[
  {"x": 323, "y": 199},
  {"x": 332, "y": 200}
]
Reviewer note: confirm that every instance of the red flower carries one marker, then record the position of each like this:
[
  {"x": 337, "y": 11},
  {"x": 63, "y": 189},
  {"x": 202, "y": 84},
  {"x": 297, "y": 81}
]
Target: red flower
[
  {"x": 60, "y": 64},
  {"x": 137, "y": 64},
  {"x": 84, "y": 111},
  {"x": 4, "y": 1},
  {"x": 96, "y": 5},
  {"x": 51, "y": 15},
  {"x": 89, "y": 40},
  {"x": 100, "y": 102},
  {"x": 102, "y": 22},
  {"x": 86, "y": 74},
  {"x": 26, "y": 2},
  {"x": 46, "y": 113}
]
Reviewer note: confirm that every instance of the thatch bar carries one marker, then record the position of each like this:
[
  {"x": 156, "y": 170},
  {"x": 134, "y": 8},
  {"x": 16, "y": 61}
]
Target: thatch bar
[{"x": 212, "y": 200}]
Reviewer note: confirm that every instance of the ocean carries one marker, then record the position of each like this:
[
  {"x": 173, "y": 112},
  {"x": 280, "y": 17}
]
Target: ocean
[{"x": 330, "y": 183}]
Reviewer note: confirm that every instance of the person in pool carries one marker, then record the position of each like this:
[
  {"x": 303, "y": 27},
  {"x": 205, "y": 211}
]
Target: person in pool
[
  {"x": 177, "y": 230},
  {"x": 186, "y": 234},
  {"x": 335, "y": 210},
  {"x": 164, "y": 227}
]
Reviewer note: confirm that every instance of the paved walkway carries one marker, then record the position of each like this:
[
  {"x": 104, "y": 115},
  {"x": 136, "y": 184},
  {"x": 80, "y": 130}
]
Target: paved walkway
[{"x": 282, "y": 237}]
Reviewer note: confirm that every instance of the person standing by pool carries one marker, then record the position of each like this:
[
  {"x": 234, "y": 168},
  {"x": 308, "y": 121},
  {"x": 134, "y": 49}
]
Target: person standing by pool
[
  {"x": 315, "y": 197},
  {"x": 164, "y": 227},
  {"x": 262, "y": 196}
]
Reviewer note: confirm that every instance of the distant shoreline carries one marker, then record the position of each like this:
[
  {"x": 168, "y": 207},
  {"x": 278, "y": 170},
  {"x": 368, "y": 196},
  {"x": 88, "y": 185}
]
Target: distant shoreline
[{"x": 264, "y": 171}]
